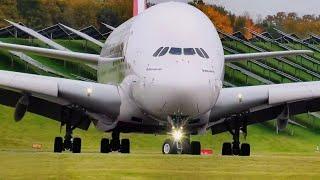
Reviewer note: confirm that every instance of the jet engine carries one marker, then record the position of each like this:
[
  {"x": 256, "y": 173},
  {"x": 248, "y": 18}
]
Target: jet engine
[
  {"x": 21, "y": 108},
  {"x": 283, "y": 119}
]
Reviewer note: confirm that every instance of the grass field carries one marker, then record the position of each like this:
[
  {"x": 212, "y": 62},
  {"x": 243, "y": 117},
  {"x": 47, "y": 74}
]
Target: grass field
[{"x": 44, "y": 165}]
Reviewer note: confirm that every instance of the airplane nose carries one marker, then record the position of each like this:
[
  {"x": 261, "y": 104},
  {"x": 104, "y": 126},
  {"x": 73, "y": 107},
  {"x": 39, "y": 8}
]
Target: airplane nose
[{"x": 185, "y": 96}]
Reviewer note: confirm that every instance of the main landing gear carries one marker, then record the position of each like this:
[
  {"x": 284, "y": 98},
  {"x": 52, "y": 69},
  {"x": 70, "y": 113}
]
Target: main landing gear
[
  {"x": 235, "y": 148},
  {"x": 68, "y": 143},
  {"x": 115, "y": 144},
  {"x": 184, "y": 146}
]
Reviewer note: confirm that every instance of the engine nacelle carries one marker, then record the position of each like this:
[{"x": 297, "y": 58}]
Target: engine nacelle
[
  {"x": 282, "y": 124},
  {"x": 283, "y": 119},
  {"x": 21, "y": 108}
]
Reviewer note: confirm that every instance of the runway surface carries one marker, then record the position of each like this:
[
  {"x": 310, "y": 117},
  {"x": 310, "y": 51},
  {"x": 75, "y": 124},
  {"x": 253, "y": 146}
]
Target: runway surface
[{"x": 148, "y": 165}]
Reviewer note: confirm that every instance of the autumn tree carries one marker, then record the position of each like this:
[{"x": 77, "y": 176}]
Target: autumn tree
[{"x": 8, "y": 10}]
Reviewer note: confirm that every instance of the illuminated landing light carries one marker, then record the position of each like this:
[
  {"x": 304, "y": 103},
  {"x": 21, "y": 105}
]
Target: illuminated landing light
[
  {"x": 240, "y": 97},
  {"x": 177, "y": 135},
  {"x": 89, "y": 91}
]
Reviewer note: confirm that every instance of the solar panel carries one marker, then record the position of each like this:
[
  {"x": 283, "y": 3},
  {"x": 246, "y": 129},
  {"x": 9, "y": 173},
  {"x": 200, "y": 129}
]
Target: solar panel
[
  {"x": 91, "y": 31},
  {"x": 11, "y": 31},
  {"x": 55, "y": 32}
]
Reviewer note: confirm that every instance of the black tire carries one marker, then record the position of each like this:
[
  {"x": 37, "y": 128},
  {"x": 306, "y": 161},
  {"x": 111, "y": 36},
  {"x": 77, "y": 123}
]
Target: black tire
[
  {"x": 195, "y": 148},
  {"x": 76, "y": 145},
  {"x": 125, "y": 146},
  {"x": 245, "y": 149},
  {"x": 115, "y": 144},
  {"x": 169, "y": 147},
  {"x": 226, "y": 149},
  {"x": 58, "y": 145},
  {"x": 236, "y": 150},
  {"x": 105, "y": 145},
  {"x": 186, "y": 146}
]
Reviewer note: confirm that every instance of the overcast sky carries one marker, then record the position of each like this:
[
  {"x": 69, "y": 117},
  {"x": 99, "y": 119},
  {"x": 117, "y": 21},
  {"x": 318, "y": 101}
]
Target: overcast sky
[{"x": 265, "y": 7}]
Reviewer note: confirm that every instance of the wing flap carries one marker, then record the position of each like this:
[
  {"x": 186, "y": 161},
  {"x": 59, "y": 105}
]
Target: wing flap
[{"x": 262, "y": 55}]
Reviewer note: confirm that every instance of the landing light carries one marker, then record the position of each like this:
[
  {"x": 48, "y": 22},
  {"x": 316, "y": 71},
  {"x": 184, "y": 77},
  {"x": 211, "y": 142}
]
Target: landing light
[
  {"x": 89, "y": 91},
  {"x": 177, "y": 134},
  {"x": 240, "y": 97}
]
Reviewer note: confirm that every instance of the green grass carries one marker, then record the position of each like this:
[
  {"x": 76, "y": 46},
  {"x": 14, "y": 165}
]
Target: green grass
[
  {"x": 275, "y": 63},
  {"x": 28, "y": 165}
]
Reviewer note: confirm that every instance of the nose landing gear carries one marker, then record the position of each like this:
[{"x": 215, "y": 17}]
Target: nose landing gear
[{"x": 183, "y": 146}]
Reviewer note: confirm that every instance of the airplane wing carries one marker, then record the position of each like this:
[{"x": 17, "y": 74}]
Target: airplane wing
[
  {"x": 83, "y": 35},
  {"x": 58, "y": 98},
  {"x": 265, "y": 102},
  {"x": 257, "y": 56},
  {"x": 58, "y": 54}
]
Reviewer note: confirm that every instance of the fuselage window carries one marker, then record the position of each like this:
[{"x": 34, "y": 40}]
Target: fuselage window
[
  {"x": 164, "y": 51},
  {"x": 175, "y": 51},
  {"x": 204, "y": 53},
  {"x": 189, "y": 51},
  {"x": 199, "y": 53},
  {"x": 157, "y": 52}
]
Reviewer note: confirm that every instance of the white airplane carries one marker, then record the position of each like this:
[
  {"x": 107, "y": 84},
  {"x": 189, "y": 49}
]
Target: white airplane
[{"x": 159, "y": 72}]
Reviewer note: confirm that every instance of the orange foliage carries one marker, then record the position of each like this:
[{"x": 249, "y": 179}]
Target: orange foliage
[
  {"x": 221, "y": 22},
  {"x": 250, "y": 25}
]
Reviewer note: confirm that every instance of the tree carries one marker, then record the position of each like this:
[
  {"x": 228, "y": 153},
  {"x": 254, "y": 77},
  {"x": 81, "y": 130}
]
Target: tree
[{"x": 8, "y": 10}]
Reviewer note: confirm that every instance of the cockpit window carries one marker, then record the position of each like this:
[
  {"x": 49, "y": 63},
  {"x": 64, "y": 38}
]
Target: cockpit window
[
  {"x": 175, "y": 51},
  {"x": 157, "y": 52},
  {"x": 164, "y": 51},
  {"x": 189, "y": 51},
  {"x": 204, "y": 53},
  {"x": 199, "y": 53}
]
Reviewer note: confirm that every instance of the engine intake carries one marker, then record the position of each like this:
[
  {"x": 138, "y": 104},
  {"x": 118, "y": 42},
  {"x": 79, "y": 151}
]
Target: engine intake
[{"x": 21, "y": 108}]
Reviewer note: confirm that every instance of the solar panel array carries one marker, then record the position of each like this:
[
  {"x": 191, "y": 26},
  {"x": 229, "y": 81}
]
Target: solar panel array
[{"x": 56, "y": 32}]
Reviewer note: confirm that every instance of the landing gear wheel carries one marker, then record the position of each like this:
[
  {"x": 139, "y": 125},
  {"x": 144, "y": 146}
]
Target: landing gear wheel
[
  {"x": 195, "y": 148},
  {"x": 76, "y": 145},
  {"x": 105, "y": 145},
  {"x": 169, "y": 147},
  {"x": 115, "y": 144},
  {"x": 115, "y": 141},
  {"x": 245, "y": 149},
  {"x": 226, "y": 149},
  {"x": 125, "y": 146},
  {"x": 186, "y": 146},
  {"x": 236, "y": 149},
  {"x": 58, "y": 145}
]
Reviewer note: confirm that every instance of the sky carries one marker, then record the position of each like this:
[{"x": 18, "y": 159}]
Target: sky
[{"x": 262, "y": 8}]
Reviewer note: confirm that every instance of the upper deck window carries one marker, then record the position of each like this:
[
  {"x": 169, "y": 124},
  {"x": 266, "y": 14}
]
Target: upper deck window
[
  {"x": 164, "y": 51},
  {"x": 175, "y": 51},
  {"x": 189, "y": 51},
  {"x": 157, "y": 52},
  {"x": 204, "y": 53},
  {"x": 199, "y": 53}
]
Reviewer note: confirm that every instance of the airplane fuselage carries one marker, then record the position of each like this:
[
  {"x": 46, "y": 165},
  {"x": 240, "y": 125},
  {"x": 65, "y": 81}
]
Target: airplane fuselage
[{"x": 174, "y": 62}]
